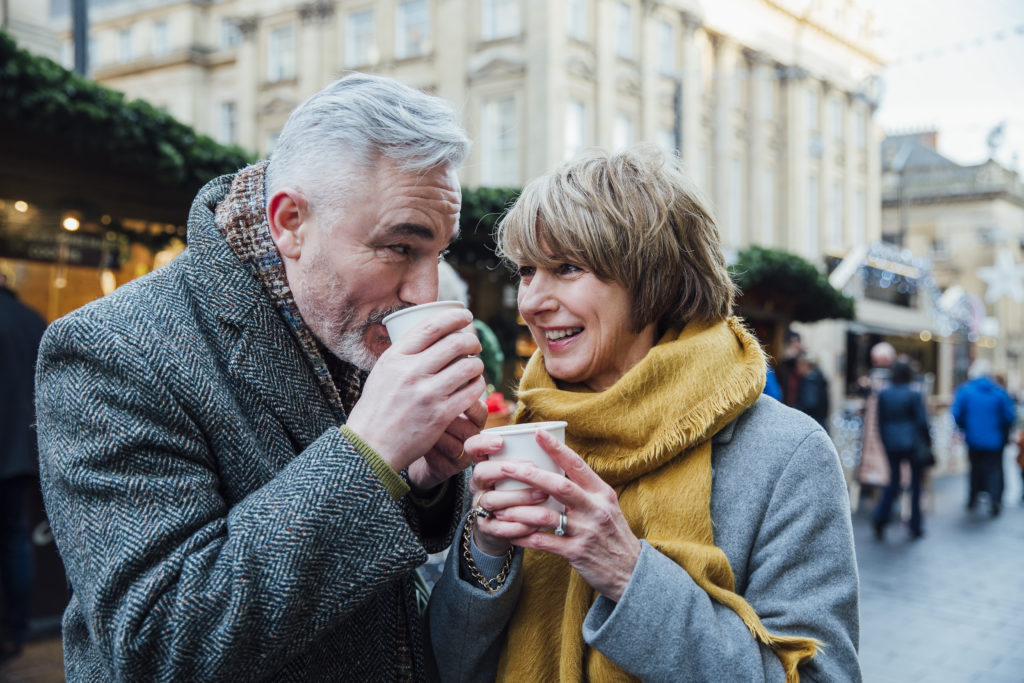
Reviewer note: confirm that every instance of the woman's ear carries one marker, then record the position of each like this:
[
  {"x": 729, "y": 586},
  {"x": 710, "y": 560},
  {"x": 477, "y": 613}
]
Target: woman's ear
[{"x": 287, "y": 214}]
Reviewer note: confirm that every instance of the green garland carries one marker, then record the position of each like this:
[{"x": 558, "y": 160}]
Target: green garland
[
  {"x": 792, "y": 283},
  {"x": 37, "y": 95}
]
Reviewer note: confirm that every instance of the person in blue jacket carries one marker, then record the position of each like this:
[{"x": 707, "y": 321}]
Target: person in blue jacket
[{"x": 984, "y": 412}]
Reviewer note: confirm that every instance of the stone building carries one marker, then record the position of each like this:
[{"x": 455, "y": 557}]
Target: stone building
[
  {"x": 769, "y": 102},
  {"x": 968, "y": 221}
]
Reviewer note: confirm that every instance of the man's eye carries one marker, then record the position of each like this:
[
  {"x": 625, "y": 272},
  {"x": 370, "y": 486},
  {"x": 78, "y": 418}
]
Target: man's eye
[{"x": 400, "y": 249}]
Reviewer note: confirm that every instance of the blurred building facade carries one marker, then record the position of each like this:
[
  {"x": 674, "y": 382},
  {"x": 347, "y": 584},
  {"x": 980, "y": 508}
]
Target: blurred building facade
[
  {"x": 769, "y": 102},
  {"x": 968, "y": 222}
]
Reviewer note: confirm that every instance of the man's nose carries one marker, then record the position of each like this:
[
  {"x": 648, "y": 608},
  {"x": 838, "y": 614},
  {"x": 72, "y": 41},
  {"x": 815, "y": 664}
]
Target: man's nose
[{"x": 419, "y": 285}]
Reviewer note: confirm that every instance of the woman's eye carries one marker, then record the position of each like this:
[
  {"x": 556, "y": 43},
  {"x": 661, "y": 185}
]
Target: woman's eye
[
  {"x": 568, "y": 269},
  {"x": 525, "y": 271}
]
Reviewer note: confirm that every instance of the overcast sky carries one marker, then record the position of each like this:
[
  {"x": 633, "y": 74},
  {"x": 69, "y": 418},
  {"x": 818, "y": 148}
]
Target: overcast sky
[{"x": 954, "y": 65}]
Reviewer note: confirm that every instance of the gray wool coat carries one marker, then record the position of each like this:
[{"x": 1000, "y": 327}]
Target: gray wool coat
[
  {"x": 781, "y": 515},
  {"x": 213, "y": 521}
]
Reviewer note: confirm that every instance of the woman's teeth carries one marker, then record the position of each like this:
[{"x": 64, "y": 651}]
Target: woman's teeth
[{"x": 555, "y": 335}]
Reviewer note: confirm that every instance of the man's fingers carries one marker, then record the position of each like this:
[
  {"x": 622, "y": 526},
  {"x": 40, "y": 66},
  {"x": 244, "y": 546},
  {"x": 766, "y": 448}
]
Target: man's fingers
[
  {"x": 427, "y": 333},
  {"x": 477, "y": 414}
]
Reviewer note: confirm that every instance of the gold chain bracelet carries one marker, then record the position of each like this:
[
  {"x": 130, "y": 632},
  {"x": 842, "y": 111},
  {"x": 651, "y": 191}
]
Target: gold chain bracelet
[{"x": 489, "y": 585}]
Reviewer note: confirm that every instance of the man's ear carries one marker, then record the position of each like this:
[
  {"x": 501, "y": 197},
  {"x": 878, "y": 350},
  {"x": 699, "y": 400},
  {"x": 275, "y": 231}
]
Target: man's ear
[{"x": 287, "y": 213}]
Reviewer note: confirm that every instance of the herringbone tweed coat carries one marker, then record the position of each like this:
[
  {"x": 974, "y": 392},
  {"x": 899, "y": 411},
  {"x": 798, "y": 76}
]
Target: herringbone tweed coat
[{"x": 214, "y": 522}]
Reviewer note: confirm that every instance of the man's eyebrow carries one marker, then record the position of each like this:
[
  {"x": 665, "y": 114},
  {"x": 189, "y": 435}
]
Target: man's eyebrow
[{"x": 410, "y": 230}]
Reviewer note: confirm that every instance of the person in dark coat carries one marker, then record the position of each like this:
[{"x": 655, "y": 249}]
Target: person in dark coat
[
  {"x": 985, "y": 413},
  {"x": 811, "y": 390},
  {"x": 242, "y": 473},
  {"x": 903, "y": 425},
  {"x": 21, "y": 328}
]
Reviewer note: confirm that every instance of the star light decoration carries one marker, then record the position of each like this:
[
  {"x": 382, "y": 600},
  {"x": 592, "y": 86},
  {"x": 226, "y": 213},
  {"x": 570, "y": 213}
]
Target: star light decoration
[{"x": 1003, "y": 279}]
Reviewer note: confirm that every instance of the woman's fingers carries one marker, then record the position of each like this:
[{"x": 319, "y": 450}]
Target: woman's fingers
[{"x": 566, "y": 458}]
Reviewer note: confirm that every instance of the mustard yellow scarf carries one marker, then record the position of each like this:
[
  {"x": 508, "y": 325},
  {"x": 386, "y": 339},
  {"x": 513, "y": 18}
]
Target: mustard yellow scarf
[{"x": 649, "y": 437}]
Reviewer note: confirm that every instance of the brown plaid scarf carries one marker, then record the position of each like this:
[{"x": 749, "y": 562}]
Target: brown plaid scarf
[{"x": 242, "y": 220}]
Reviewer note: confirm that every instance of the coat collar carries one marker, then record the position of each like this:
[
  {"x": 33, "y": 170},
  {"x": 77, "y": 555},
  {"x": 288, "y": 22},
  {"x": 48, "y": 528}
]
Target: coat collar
[{"x": 253, "y": 341}]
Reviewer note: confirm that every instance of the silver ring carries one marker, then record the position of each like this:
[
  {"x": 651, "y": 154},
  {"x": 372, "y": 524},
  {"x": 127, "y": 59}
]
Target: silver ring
[
  {"x": 482, "y": 512},
  {"x": 563, "y": 522}
]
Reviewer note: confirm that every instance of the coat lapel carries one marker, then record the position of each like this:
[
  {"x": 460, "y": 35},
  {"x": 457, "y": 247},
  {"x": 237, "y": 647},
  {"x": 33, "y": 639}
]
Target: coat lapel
[{"x": 261, "y": 355}]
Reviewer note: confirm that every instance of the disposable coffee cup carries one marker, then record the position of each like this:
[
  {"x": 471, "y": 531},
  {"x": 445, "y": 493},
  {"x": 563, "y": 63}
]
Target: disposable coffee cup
[
  {"x": 400, "y": 322},
  {"x": 520, "y": 443}
]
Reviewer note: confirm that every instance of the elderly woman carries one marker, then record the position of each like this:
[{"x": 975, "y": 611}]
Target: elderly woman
[{"x": 707, "y": 531}]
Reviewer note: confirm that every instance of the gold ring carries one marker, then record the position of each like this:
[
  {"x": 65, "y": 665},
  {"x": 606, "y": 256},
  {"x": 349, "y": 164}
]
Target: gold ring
[{"x": 461, "y": 454}]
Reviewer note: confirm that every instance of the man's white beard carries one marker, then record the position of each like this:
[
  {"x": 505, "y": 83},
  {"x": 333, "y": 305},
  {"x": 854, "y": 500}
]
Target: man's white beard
[{"x": 349, "y": 344}]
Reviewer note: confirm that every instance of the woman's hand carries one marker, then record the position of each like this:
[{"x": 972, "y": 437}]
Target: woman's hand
[
  {"x": 598, "y": 542},
  {"x": 490, "y": 534}
]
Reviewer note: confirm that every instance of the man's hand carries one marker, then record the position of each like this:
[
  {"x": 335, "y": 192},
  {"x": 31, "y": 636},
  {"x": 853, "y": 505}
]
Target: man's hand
[
  {"x": 447, "y": 457},
  {"x": 415, "y": 394}
]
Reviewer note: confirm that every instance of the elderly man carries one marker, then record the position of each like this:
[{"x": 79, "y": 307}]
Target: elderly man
[{"x": 241, "y": 472}]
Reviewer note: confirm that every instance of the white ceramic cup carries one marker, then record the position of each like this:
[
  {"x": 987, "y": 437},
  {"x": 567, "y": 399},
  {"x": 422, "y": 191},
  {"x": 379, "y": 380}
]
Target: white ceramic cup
[
  {"x": 400, "y": 322},
  {"x": 520, "y": 443}
]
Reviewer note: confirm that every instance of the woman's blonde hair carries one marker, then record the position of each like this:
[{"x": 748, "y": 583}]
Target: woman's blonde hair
[{"x": 633, "y": 218}]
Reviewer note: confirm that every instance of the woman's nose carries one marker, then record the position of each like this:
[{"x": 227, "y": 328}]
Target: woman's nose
[{"x": 536, "y": 295}]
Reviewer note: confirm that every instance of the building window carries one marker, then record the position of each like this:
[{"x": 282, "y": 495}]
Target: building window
[
  {"x": 622, "y": 132},
  {"x": 230, "y": 34},
  {"x": 281, "y": 54},
  {"x": 499, "y": 154},
  {"x": 500, "y": 19},
  {"x": 835, "y": 215},
  {"x": 624, "y": 30},
  {"x": 226, "y": 131},
  {"x": 767, "y": 86},
  {"x": 576, "y": 19},
  {"x": 125, "y": 51},
  {"x": 93, "y": 56},
  {"x": 67, "y": 55},
  {"x": 860, "y": 129},
  {"x": 813, "y": 122},
  {"x": 813, "y": 227},
  {"x": 667, "y": 141},
  {"x": 360, "y": 38},
  {"x": 740, "y": 76},
  {"x": 666, "y": 49},
  {"x": 768, "y": 208},
  {"x": 161, "y": 39},
  {"x": 575, "y": 127},
  {"x": 860, "y": 228},
  {"x": 836, "y": 109},
  {"x": 735, "y": 202},
  {"x": 412, "y": 29}
]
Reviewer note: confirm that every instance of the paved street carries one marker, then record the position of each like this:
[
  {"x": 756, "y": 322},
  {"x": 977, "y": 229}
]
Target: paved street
[{"x": 948, "y": 608}]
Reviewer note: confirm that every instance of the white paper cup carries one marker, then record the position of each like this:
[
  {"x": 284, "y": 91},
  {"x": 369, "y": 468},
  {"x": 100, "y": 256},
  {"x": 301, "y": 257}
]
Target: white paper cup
[
  {"x": 400, "y": 322},
  {"x": 520, "y": 443}
]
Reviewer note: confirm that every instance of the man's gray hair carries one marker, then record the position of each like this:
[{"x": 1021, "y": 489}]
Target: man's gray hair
[{"x": 356, "y": 120}]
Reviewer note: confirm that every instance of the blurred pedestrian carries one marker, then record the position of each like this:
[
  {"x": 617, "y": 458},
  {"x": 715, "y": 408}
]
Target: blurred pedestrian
[
  {"x": 985, "y": 413},
  {"x": 241, "y": 471},
  {"x": 811, "y": 389},
  {"x": 771, "y": 383},
  {"x": 903, "y": 424},
  {"x": 21, "y": 328},
  {"x": 786, "y": 369}
]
